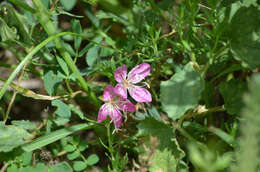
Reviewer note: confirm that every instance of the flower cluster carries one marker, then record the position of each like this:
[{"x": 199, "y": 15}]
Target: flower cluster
[{"x": 116, "y": 97}]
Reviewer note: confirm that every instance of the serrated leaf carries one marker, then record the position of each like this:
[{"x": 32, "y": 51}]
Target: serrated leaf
[
  {"x": 25, "y": 124},
  {"x": 163, "y": 132},
  {"x": 61, "y": 167},
  {"x": 63, "y": 109},
  {"x": 245, "y": 41},
  {"x": 12, "y": 137},
  {"x": 51, "y": 82},
  {"x": 79, "y": 165},
  {"x": 232, "y": 92},
  {"x": 7, "y": 33},
  {"x": 63, "y": 65},
  {"x": 92, "y": 159},
  {"x": 163, "y": 161},
  {"x": 16, "y": 21},
  {"x": 182, "y": 92},
  {"x": 76, "y": 111}
]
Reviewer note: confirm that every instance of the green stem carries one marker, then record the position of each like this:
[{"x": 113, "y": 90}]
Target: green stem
[
  {"x": 44, "y": 19},
  {"x": 110, "y": 147}
]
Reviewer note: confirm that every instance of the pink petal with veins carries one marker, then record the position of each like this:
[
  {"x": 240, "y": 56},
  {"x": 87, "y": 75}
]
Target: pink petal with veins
[
  {"x": 140, "y": 94},
  {"x": 126, "y": 105},
  {"x": 120, "y": 90},
  {"x": 103, "y": 112},
  {"x": 109, "y": 93},
  {"x": 139, "y": 72},
  {"x": 120, "y": 73},
  {"x": 116, "y": 117}
]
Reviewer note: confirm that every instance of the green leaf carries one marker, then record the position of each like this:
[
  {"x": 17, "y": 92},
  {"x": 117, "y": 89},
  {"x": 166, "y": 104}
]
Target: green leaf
[
  {"x": 163, "y": 132},
  {"x": 69, "y": 148},
  {"x": 79, "y": 165},
  {"x": 61, "y": 167},
  {"x": 62, "y": 109},
  {"x": 76, "y": 27},
  {"x": 73, "y": 155},
  {"x": 76, "y": 111},
  {"x": 182, "y": 92},
  {"x": 68, "y": 4},
  {"x": 54, "y": 136},
  {"x": 92, "y": 54},
  {"x": 92, "y": 159},
  {"x": 69, "y": 49},
  {"x": 51, "y": 82},
  {"x": 61, "y": 121},
  {"x": 163, "y": 161},
  {"x": 63, "y": 65},
  {"x": 7, "y": 33},
  {"x": 16, "y": 21},
  {"x": 11, "y": 137},
  {"x": 245, "y": 41},
  {"x": 232, "y": 92},
  {"x": 25, "y": 124}
]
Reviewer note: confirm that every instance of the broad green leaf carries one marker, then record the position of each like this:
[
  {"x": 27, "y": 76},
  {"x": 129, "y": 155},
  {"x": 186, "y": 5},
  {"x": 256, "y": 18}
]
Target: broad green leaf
[
  {"x": 92, "y": 159},
  {"x": 25, "y": 124},
  {"x": 76, "y": 27},
  {"x": 163, "y": 161},
  {"x": 69, "y": 148},
  {"x": 245, "y": 36},
  {"x": 62, "y": 109},
  {"x": 7, "y": 33},
  {"x": 12, "y": 137},
  {"x": 51, "y": 82},
  {"x": 68, "y": 4},
  {"x": 182, "y": 92},
  {"x": 163, "y": 132},
  {"x": 54, "y": 136},
  {"x": 79, "y": 165},
  {"x": 61, "y": 121},
  {"x": 73, "y": 155},
  {"x": 232, "y": 92},
  {"x": 93, "y": 52},
  {"x": 61, "y": 167},
  {"x": 15, "y": 21}
]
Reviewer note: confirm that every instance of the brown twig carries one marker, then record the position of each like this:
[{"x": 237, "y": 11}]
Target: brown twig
[{"x": 4, "y": 167}]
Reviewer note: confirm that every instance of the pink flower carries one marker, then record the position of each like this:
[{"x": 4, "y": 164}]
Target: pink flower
[
  {"x": 127, "y": 82},
  {"x": 114, "y": 103}
]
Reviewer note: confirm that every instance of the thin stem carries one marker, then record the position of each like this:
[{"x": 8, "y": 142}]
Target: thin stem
[
  {"x": 14, "y": 95},
  {"x": 110, "y": 147}
]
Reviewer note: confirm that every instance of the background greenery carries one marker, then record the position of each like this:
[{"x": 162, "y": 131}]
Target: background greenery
[{"x": 57, "y": 56}]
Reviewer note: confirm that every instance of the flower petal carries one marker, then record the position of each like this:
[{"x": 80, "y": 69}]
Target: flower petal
[
  {"x": 116, "y": 117},
  {"x": 140, "y": 94},
  {"x": 120, "y": 73},
  {"x": 139, "y": 72},
  {"x": 103, "y": 112},
  {"x": 109, "y": 93},
  {"x": 126, "y": 105},
  {"x": 120, "y": 90}
]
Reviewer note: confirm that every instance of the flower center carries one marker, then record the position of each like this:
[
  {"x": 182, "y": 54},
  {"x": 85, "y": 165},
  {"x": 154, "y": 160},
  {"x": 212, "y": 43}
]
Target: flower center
[{"x": 127, "y": 84}]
